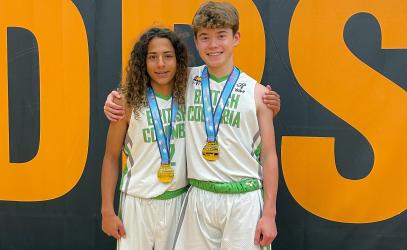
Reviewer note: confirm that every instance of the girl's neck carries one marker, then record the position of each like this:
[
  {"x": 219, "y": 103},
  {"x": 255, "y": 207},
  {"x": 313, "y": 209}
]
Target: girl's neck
[{"x": 162, "y": 90}]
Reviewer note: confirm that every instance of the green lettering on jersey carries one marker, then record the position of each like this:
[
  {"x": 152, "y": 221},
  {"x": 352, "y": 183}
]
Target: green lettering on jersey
[
  {"x": 165, "y": 115},
  {"x": 146, "y": 136},
  {"x": 149, "y": 118},
  {"x": 233, "y": 101},
  {"x": 236, "y": 120},
  {"x": 198, "y": 113},
  {"x": 152, "y": 132},
  {"x": 178, "y": 132},
  {"x": 229, "y": 117},
  {"x": 190, "y": 114},
  {"x": 197, "y": 96},
  {"x": 181, "y": 130},
  {"x": 225, "y": 116},
  {"x": 215, "y": 95},
  {"x": 181, "y": 113},
  {"x": 172, "y": 152}
]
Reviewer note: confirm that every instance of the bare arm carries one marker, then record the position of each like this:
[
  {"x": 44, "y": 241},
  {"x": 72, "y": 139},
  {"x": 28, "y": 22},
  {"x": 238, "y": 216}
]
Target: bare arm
[
  {"x": 111, "y": 224},
  {"x": 266, "y": 229}
]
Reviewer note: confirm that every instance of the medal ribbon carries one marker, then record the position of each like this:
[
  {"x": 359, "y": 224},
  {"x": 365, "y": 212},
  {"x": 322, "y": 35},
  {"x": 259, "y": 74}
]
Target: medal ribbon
[
  {"x": 212, "y": 119},
  {"x": 163, "y": 140}
]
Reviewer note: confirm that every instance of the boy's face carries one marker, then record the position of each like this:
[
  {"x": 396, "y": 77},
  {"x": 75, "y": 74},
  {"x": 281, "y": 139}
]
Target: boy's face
[
  {"x": 161, "y": 62},
  {"x": 215, "y": 46}
]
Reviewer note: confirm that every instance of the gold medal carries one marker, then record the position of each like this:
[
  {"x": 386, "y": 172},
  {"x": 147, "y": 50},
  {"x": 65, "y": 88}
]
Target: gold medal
[
  {"x": 165, "y": 173},
  {"x": 211, "y": 151}
]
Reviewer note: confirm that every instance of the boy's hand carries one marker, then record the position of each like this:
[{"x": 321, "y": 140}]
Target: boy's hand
[
  {"x": 112, "y": 110},
  {"x": 272, "y": 100},
  {"x": 266, "y": 231},
  {"x": 113, "y": 226}
]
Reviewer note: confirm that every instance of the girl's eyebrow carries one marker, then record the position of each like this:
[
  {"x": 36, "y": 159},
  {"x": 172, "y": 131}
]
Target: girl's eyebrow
[{"x": 164, "y": 52}]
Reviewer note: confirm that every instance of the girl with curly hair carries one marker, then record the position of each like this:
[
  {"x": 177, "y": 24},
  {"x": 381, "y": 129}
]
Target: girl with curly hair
[{"x": 153, "y": 182}]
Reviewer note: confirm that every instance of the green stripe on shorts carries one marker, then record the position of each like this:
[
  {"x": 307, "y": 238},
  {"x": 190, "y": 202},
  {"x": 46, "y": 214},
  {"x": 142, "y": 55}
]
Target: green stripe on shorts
[
  {"x": 242, "y": 186},
  {"x": 171, "y": 194}
]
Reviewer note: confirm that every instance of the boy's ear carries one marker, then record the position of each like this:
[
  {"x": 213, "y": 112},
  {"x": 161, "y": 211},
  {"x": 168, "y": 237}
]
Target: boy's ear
[{"x": 236, "y": 38}]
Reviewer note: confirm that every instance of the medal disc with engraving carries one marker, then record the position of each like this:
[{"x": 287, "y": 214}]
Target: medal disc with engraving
[
  {"x": 211, "y": 151},
  {"x": 165, "y": 173}
]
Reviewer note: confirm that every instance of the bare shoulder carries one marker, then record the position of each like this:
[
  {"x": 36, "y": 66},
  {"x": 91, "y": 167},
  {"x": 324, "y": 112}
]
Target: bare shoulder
[
  {"x": 261, "y": 108},
  {"x": 128, "y": 112},
  {"x": 127, "y": 109},
  {"x": 259, "y": 92},
  {"x": 259, "y": 89}
]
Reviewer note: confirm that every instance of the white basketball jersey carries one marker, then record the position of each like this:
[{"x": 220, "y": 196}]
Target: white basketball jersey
[
  {"x": 238, "y": 135},
  {"x": 140, "y": 174}
]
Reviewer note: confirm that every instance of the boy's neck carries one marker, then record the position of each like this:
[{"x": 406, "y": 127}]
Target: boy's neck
[{"x": 220, "y": 72}]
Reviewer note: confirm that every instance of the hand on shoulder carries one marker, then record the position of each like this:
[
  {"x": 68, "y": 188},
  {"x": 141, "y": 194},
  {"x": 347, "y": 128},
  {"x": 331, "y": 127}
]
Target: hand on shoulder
[
  {"x": 114, "y": 106},
  {"x": 272, "y": 100},
  {"x": 259, "y": 92}
]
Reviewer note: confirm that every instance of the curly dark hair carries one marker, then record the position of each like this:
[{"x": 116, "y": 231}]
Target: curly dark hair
[{"x": 137, "y": 78}]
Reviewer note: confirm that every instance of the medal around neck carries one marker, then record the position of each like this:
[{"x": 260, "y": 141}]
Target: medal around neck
[
  {"x": 165, "y": 173},
  {"x": 210, "y": 152}
]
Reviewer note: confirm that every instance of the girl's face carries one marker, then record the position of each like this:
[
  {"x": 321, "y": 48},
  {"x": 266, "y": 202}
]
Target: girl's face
[{"x": 161, "y": 62}]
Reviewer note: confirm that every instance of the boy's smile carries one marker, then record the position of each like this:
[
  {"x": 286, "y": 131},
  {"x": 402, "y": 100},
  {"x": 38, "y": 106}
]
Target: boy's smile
[{"x": 215, "y": 46}]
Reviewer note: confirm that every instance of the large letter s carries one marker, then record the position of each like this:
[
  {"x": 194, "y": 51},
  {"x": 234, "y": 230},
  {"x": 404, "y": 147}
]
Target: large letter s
[{"x": 362, "y": 97}]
